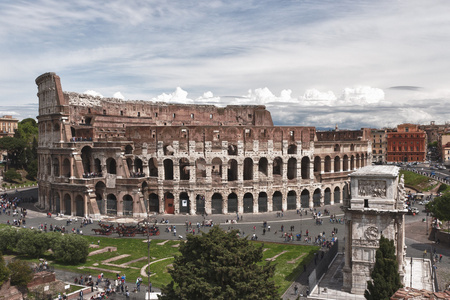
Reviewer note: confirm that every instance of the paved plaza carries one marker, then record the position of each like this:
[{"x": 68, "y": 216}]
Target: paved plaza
[{"x": 249, "y": 224}]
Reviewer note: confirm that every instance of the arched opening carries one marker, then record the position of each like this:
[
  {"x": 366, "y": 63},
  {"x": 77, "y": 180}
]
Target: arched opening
[
  {"x": 168, "y": 169},
  {"x": 262, "y": 167},
  {"x": 292, "y": 149},
  {"x": 200, "y": 168},
  {"x": 363, "y": 161},
  {"x": 277, "y": 166},
  {"x": 200, "y": 204},
  {"x": 337, "y": 164},
  {"x": 317, "y": 165},
  {"x": 345, "y": 163},
  {"x": 292, "y": 200},
  {"x": 248, "y": 169},
  {"x": 56, "y": 167},
  {"x": 86, "y": 159},
  {"x": 304, "y": 199},
  {"x": 79, "y": 204},
  {"x": 127, "y": 205},
  {"x": 185, "y": 203},
  {"x": 327, "y": 164},
  {"x": 352, "y": 162},
  {"x": 216, "y": 203},
  {"x": 232, "y": 150},
  {"x": 67, "y": 205},
  {"x": 337, "y": 148},
  {"x": 232, "y": 170},
  {"x": 216, "y": 169},
  {"x": 153, "y": 167},
  {"x": 248, "y": 203},
  {"x": 128, "y": 149},
  {"x": 277, "y": 201},
  {"x": 292, "y": 168},
  {"x": 337, "y": 195},
  {"x": 327, "y": 196},
  {"x": 98, "y": 167},
  {"x": 153, "y": 203},
  {"x": 305, "y": 167},
  {"x": 184, "y": 169},
  {"x": 111, "y": 205},
  {"x": 232, "y": 203},
  {"x": 111, "y": 166},
  {"x": 169, "y": 207},
  {"x": 100, "y": 189},
  {"x": 357, "y": 161},
  {"x": 66, "y": 168},
  {"x": 138, "y": 167},
  {"x": 262, "y": 202},
  {"x": 316, "y": 198}
]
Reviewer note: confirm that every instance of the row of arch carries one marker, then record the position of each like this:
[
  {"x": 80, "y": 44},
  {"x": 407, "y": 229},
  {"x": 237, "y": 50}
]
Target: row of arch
[
  {"x": 199, "y": 168},
  {"x": 218, "y": 203}
]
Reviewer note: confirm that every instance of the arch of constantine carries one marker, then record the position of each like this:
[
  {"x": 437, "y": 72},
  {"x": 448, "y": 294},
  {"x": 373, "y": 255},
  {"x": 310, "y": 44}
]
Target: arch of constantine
[{"x": 105, "y": 156}]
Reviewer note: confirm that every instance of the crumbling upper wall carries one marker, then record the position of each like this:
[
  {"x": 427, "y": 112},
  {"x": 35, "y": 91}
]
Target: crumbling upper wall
[{"x": 116, "y": 111}]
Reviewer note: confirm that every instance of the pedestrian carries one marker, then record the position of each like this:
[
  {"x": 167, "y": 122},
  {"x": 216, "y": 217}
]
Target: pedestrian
[
  {"x": 295, "y": 289},
  {"x": 81, "y": 294},
  {"x": 440, "y": 257}
]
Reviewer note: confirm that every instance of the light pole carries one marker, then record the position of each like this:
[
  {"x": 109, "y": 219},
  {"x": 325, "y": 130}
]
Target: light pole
[{"x": 147, "y": 227}]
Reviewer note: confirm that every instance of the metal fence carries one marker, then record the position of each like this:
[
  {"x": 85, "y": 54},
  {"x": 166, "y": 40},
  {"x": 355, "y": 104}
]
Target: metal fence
[{"x": 322, "y": 259}]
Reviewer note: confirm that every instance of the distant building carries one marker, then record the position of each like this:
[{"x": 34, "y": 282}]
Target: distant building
[
  {"x": 433, "y": 131},
  {"x": 8, "y": 126},
  {"x": 379, "y": 145},
  {"x": 407, "y": 144},
  {"x": 444, "y": 147}
]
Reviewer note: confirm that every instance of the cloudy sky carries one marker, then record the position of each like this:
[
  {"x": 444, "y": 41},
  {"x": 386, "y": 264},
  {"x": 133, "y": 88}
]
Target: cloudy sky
[{"x": 314, "y": 63}]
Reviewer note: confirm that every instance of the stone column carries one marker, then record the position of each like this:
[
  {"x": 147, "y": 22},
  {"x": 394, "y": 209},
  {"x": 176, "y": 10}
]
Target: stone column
[
  {"x": 192, "y": 203},
  {"x": 224, "y": 205},
  {"x": 240, "y": 202},
  {"x": 322, "y": 166}
]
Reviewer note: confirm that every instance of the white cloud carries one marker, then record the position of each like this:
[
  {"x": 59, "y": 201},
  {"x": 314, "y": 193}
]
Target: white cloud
[
  {"x": 315, "y": 97},
  {"x": 93, "y": 93},
  {"x": 118, "y": 95},
  {"x": 362, "y": 95},
  {"x": 178, "y": 96}
]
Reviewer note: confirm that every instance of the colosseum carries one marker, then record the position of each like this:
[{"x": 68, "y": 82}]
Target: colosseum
[{"x": 105, "y": 156}]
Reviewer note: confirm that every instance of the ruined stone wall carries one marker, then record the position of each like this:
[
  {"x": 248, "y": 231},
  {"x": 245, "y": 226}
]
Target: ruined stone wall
[{"x": 108, "y": 156}]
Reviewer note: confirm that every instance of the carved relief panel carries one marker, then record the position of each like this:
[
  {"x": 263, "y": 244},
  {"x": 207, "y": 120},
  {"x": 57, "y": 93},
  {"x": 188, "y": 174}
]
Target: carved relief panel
[{"x": 372, "y": 188}]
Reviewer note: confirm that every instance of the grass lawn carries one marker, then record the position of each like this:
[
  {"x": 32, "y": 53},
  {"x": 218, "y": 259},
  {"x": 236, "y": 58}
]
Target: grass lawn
[
  {"x": 417, "y": 181},
  {"x": 285, "y": 272}
]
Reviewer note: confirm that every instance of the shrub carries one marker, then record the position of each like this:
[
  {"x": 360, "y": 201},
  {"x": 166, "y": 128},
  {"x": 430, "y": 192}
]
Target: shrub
[
  {"x": 11, "y": 175},
  {"x": 71, "y": 249},
  {"x": 21, "y": 273}
]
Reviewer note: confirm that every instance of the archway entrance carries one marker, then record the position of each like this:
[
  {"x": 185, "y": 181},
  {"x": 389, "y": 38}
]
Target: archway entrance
[
  {"x": 200, "y": 204},
  {"x": 277, "y": 201},
  {"x": 185, "y": 203},
  {"x": 304, "y": 199},
  {"x": 111, "y": 205},
  {"x": 232, "y": 203},
  {"x": 316, "y": 198},
  {"x": 248, "y": 203},
  {"x": 67, "y": 205},
  {"x": 327, "y": 196},
  {"x": 168, "y": 203},
  {"x": 153, "y": 203},
  {"x": 262, "y": 202},
  {"x": 292, "y": 200},
  {"x": 337, "y": 195},
  {"x": 216, "y": 204},
  {"x": 127, "y": 205}
]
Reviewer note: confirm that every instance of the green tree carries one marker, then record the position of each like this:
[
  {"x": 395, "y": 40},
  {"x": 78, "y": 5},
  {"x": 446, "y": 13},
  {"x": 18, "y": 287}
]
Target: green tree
[
  {"x": 385, "y": 277},
  {"x": 8, "y": 239},
  {"x": 27, "y": 130},
  {"x": 21, "y": 273},
  {"x": 442, "y": 188},
  {"x": 11, "y": 175},
  {"x": 220, "y": 265},
  {"x": 32, "y": 243},
  {"x": 4, "y": 271},
  {"x": 71, "y": 249},
  {"x": 15, "y": 148},
  {"x": 440, "y": 207}
]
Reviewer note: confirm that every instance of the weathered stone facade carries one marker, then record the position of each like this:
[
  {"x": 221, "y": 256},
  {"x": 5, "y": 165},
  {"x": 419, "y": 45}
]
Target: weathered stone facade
[
  {"x": 102, "y": 156},
  {"x": 376, "y": 208}
]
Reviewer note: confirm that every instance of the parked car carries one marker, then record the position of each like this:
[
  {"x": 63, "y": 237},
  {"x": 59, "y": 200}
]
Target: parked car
[{"x": 413, "y": 210}]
